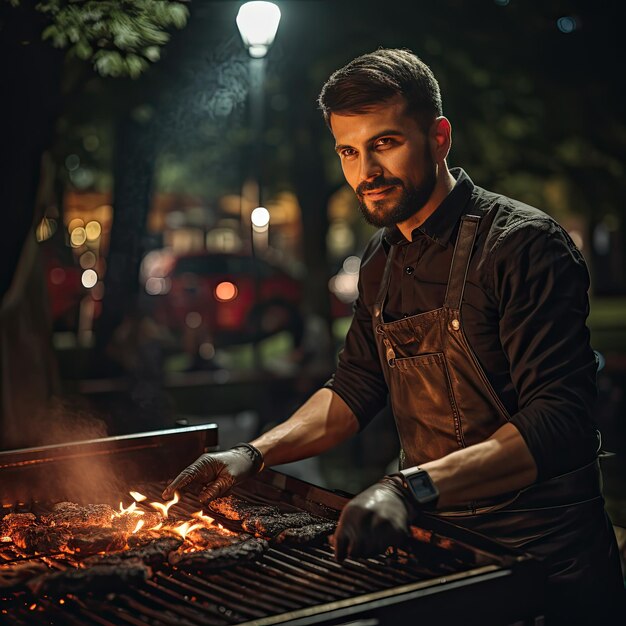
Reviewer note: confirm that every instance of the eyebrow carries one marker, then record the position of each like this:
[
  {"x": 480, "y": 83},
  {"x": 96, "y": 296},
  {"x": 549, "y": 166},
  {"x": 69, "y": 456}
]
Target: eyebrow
[{"x": 385, "y": 133}]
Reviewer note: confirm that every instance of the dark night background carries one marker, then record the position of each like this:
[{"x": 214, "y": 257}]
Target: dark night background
[{"x": 162, "y": 156}]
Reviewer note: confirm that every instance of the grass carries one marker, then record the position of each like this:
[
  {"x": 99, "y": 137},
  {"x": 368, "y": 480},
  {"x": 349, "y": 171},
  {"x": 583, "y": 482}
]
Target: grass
[{"x": 607, "y": 322}]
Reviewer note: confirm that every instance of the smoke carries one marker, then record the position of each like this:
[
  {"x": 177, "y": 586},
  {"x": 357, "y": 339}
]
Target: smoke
[
  {"x": 64, "y": 419},
  {"x": 65, "y": 472}
]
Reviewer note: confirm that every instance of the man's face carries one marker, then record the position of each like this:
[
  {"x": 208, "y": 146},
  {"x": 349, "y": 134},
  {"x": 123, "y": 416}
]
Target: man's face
[{"x": 386, "y": 159}]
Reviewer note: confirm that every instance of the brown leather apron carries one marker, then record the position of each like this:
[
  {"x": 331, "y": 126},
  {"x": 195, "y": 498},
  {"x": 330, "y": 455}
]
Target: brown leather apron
[{"x": 442, "y": 401}]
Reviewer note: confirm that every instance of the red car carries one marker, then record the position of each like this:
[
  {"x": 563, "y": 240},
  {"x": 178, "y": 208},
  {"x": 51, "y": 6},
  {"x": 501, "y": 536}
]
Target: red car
[{"x": 234, "y": 298}]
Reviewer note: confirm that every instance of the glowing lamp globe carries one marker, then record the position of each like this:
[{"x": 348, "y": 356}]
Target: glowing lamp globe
[{"x": 258, "y": 24}]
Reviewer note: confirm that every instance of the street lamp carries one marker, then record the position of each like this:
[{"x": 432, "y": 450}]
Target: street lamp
[{"x": 258, "y": 23}]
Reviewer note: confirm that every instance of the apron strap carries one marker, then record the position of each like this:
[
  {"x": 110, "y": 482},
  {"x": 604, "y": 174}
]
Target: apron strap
[
  {"x": 379, "y": 305},
  {"x": 460, "y": 261}
]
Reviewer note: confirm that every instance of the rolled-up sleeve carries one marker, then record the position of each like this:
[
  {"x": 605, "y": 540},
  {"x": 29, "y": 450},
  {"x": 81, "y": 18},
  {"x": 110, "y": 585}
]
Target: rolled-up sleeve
[
  {"x": 541, "y": 283},
  {"x": 359, "y": 379}
]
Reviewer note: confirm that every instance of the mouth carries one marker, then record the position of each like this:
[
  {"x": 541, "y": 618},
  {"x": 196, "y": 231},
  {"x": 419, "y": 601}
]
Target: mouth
[{"x": 378, "y": 194}]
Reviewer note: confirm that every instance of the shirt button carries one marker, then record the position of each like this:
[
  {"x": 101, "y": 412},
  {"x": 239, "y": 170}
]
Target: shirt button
[{"x": 409, "y": 270}]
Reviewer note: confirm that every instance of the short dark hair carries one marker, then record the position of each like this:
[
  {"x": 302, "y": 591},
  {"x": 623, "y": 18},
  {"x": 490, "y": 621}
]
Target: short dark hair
[{"x": 378, "y": 76}]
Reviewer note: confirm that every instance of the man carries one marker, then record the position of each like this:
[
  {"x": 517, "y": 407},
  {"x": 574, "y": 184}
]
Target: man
[{"x": 471, "y": 318}]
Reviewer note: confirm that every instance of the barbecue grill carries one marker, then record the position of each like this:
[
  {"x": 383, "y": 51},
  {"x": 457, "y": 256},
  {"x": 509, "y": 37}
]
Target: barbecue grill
[{"x": 448, "y": 576}]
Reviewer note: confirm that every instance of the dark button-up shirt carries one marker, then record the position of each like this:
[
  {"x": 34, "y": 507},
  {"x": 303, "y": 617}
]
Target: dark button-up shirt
[{"x": 524, "y": 313}]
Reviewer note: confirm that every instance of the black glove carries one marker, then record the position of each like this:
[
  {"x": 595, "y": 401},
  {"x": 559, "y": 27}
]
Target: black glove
[
  {"x": 219, "y": 472},
  {"x": 374, "y": 520}
]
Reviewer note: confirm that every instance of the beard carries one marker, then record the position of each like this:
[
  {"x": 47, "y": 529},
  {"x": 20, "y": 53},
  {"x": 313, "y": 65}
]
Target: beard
[{"x": 381, "y": 213}]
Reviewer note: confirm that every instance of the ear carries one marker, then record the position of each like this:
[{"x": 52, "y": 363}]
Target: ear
[{"x": 441, "y": 138}]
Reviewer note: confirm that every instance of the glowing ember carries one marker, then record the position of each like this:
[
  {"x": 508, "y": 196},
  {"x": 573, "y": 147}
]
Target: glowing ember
[
  {"x": 164, "y": 508},
  {"x": 5, "y": 539},
  {"x": 138, "y": 497},
  {"x": 203, "y": 518},
  {"x": 139, "y": 525}
]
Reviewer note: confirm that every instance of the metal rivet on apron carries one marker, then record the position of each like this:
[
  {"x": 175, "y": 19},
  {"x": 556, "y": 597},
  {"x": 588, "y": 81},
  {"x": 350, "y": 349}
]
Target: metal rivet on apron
[{"x": 455, "y": 324}]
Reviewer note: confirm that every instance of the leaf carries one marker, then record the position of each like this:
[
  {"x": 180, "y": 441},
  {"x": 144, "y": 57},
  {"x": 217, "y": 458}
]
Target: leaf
[
  {"x": 178, "y": 15},
  {"x": 109, "y": 63},
  {"x": 135, "y": 65},
  {"x": 73, "y": 34},
  {"x": 152, "y": 53},
  {"x": 59, "y": 39},
  {"x": 83, "y": 50}
]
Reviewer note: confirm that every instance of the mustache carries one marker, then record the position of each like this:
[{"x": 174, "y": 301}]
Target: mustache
[{"x": 377, "y": 183}]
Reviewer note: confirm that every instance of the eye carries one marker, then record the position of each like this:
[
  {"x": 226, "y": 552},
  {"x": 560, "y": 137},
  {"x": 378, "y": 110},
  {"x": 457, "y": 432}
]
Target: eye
[
  {"x": 347, "y": 153},
  {"x": 382, "y": 143}
]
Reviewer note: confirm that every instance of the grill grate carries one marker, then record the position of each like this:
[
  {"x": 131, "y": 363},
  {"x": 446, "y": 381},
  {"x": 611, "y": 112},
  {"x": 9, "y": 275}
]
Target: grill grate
[
  {"x": 284, "y": 581},
  {"x": 450, "y": 573}
]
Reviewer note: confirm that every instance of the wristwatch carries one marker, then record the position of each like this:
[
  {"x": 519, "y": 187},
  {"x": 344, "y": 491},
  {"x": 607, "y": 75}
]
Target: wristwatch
[{"x": 419, "y": 484}]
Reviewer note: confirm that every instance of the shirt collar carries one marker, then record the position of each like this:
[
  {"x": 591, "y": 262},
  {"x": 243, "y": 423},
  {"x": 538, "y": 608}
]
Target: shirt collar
[{"x": 441, "y": 223}]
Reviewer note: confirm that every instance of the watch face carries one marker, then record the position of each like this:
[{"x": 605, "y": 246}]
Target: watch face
[{"x": 422, "y": 487}]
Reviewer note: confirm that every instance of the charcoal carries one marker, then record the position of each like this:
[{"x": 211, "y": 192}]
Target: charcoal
[
  {"x": 40, "y": 539},
  {"x": 219, "y": 558},
  {"x": 99, "y": 578},
  {"x": 306, "y": 534},
  {"x": 72, "y": 515},
  {"x": 17, "y": 574},
  {"x": 234, "y": 508},
  {"x": 145, "y": 538},
  {"x": 210, "y": 538},
  {"x": 15, "y": 520},
  {"x": 270, "y": 525},
  {"x": 128, "y": 523},
  {"x": 154, "y": 553},
  {"x": 92, "y": 539}
]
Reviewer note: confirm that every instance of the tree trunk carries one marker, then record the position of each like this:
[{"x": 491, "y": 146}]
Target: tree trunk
[
  {"x": 135, "y": 154},
  {"x": 313, "y": 192}
]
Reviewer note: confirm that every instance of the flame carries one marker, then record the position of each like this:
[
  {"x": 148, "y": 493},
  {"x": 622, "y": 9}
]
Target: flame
[
  {"x": 205, "y": 519},
  {"x": 157, "y": 527},
  {"x": 5, "y": 539},
  {"x": 164, "y": 508},
  {"x": 138, "y": 497},
  {"x": 129, "y": 509},
  {"x": 140, "y": 523},
  {"x": 185, "y": 528}
]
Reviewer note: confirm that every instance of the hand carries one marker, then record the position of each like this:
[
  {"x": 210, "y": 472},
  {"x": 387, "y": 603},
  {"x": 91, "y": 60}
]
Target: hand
[
  {"x": 219, "y": 472},
  {"x": 374, "y": 520}
]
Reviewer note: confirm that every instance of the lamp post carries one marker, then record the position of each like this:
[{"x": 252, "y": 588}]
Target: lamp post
[{"x": 257, "y": 23}]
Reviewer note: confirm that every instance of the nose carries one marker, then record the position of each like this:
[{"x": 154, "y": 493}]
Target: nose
[{"x": 370, "y": 167}]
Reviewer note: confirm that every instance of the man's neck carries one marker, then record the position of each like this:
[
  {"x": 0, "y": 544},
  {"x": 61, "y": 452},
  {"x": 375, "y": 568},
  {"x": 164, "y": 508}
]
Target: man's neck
[{"x": 443, "y": 186}]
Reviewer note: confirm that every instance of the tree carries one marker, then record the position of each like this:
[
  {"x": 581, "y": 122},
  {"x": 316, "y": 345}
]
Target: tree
[{"x": 119, "y": 39}]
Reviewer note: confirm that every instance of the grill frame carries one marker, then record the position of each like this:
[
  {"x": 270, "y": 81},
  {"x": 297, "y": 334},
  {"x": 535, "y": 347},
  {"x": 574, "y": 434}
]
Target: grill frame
[{"x": 457, "y": 597}]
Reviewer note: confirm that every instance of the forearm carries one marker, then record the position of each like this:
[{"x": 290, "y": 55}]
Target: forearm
[
  {"x": 498, "y": 465},
  {"x": 321, "y": 423}
]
